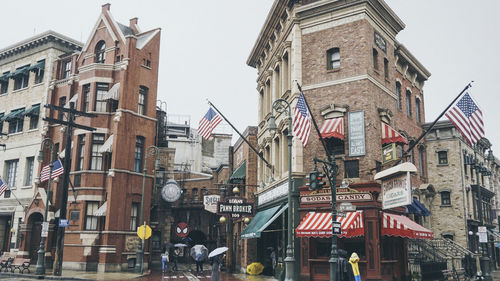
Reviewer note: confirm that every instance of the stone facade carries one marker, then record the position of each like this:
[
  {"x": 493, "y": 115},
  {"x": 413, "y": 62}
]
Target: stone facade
[
  {"x": 24, "y": 134},
  {"x": 453, "y": 177}
]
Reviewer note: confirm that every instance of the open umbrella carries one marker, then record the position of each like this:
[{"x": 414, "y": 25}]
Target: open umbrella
[
  {"x": 217, "y": 251},
  {"x": 199, "y": 252},
  {"x": 169, "y": 245},
  {"x": 180, "y": 245},
  {"x": 255, "y": 268}
]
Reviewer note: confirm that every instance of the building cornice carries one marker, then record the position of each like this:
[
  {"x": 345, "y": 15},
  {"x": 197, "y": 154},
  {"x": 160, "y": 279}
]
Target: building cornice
[{"x": 37, "y": 40}]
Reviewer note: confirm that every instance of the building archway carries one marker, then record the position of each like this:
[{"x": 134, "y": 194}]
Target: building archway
[{"x": 35, "y": 229}]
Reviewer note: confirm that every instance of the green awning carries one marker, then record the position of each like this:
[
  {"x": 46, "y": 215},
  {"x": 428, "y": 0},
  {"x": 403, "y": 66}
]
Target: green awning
[
  {"x": 240, "y": 173},
  {"x": 18, "y": 113},
  {"x": 19, "y": 71},
  {"x": 261, "y": 221},
  {"x": 33, "y": 111},
  {"x": 37, "y": 66},
  {"x": 5, "y": 77}
]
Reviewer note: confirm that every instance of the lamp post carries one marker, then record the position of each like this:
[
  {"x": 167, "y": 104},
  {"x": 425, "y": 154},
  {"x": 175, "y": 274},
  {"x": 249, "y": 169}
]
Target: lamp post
[
  {"x": 150, "y": 151},
  {"x": 40, "y": 263},
  {"x": 280, "y": 106},
  {"x": 484, "y": 260}
]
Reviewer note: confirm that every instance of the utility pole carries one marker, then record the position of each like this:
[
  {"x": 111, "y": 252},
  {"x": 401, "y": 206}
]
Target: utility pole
[{"x": 70, "y": 124}]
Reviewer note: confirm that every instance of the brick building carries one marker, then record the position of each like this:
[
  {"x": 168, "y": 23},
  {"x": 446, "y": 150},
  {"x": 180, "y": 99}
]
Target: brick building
[
  {"x": 452, "y": 171},
  {"x": 25, "y": 69},
  {"x": 114, "y": 76},
  {"x": 347, "y": 59}
]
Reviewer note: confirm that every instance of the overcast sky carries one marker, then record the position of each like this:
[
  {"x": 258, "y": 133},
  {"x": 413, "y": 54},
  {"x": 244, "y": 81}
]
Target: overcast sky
[{"x": 205, "y": 45}]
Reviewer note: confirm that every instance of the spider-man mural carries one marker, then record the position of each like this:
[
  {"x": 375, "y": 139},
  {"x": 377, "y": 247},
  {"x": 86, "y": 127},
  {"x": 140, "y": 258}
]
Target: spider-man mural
[{"x": 182, "y": 229}]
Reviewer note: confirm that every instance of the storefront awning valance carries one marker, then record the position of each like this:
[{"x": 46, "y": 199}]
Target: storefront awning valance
[
  {"x": 333, "y": 128},
  {"x": 320, "y": 225},
  {"x": 418, "y": 208},
  {"x": 113, "y": 93},
  {"x": 255, "y": 227},
  {"x": 395, "y": 225},
  {"x": 240, "y": 173},
  {"x": 101, "y": 212},
  {"x": 37, "y": 66},
  {"x": 107, "y": 146},
  {"x": 15, "y": 114},
  {"x": 33, "y": 111},
  {"x": 389, "y": 135}
]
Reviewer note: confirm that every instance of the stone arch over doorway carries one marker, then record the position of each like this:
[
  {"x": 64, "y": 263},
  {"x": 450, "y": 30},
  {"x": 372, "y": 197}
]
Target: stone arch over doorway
[{"x": 34, "y": 230}]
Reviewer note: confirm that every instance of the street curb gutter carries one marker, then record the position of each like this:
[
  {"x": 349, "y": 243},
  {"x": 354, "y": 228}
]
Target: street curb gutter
[{"x": 51, "y": 277}]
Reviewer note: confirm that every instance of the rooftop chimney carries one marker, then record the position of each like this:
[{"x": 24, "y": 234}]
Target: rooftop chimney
[
  {"x": 105, "y": 7},
  {"x": 133, "y": 24}
]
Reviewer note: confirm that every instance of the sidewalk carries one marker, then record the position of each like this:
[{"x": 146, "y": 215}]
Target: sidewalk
[{"x": 72, "y": 275}]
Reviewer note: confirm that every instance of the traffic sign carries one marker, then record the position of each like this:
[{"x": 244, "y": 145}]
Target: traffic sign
[
  {"x": 63, "y": 223},
  {"x": 337, "y": 230},
  {"x": 144, "y": 230},
  {"x": 340, "y": 214},
  {"x": 483, "y": 234}
]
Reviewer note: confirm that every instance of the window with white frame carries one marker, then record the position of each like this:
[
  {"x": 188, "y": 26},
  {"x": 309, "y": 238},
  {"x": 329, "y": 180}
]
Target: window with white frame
[
  {"x": 100, "y": 103},
  {"x": 95, "y": 155},
  {"x": 30, "y": 161},
  {"x": 90, "y": 218},
  {"x": 134, "y": 216},
  {"x": 333, "y": 58},
  {"x": 11, "y": 172},
  {"x": 143, "y": 95}
]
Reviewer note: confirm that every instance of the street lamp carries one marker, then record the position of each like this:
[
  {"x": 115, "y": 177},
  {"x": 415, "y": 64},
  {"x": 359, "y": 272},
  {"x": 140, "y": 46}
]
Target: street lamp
[
  {"x": 40, "y": 263},
  {"x": 281, "y": 106},
  {"x": 150, "y": 151}
]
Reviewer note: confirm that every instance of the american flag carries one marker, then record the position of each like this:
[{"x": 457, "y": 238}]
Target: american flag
[
  {"x": 208, "y": 123},
  {"x": 3, "y": 187},
  {"x": 468, "y": 118},
  {"x": 56, "y": 171},
  {"x": 302, "y": 121}
]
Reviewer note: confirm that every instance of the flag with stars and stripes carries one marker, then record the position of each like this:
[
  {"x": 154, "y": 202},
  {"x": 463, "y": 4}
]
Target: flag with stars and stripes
[
  {"x": 56, "y": 171},
  {"x": 3, "y": 187},
  {"x": 302, "y": 121},
  {"x": 468, "y": 118},
  {"x": 208, "y": 123}
]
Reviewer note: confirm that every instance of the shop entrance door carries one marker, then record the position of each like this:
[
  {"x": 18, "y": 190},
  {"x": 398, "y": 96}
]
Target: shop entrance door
[{"x": 4, "y": 237}]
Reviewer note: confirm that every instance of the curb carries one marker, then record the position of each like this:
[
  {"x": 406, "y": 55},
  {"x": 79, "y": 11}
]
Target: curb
[{"x": 33, "y": 276}]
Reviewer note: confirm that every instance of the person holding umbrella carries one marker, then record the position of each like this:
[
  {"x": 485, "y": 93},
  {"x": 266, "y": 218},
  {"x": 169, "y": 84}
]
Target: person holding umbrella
[
  {"x": 217, "y": 257},
  {"x": 199, "y": 254}
]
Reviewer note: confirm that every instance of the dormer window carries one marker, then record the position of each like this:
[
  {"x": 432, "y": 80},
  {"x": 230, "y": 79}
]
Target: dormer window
[{"x": 100, "y": 52}]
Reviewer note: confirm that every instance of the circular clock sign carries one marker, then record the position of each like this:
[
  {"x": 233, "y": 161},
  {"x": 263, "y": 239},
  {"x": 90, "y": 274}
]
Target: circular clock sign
[{"x": 171, "y": 192}]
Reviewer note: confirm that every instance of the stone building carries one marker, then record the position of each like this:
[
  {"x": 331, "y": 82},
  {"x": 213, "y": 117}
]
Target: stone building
[
  {"x": 115, "y": 77},
  {"x": 25, "y": 75},
  {"x": 453, "y": 172},
  {"x": 347, "y": 59}
]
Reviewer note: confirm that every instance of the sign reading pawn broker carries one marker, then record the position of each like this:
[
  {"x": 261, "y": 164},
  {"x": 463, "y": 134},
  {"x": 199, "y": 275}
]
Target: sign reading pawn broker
[
  {"x": 235, "y": 207},
  {"x": 396, "y": 185}
]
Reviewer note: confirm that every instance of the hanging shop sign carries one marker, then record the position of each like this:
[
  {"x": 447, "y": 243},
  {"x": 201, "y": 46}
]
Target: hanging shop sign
[
  {"x": 357, "y": 145},
  {"x": 325, "y": 196},
  {"x": 396, "y": 185},
  {"x": 389, "y": 153},
  {"x": 235, "y": 207},
  {"x": 182, "y": 229},
  {"x": 171, "y": 191},
  {"x": 210, "y": 203}
]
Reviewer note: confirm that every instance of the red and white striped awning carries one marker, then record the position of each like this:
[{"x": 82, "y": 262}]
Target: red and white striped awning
[
  {"x": 320, "y": 225},
  {"x": 333, "y": 128},
  {"x": 389, "y": 135},
  {"x": 395, "y": 225}
]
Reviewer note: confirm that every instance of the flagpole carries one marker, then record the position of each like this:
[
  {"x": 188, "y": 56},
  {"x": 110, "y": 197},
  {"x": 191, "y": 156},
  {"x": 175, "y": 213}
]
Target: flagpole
[
  {"x": 437, "y": 119},
  {"x": 315, "y": 124},
  {"x": 11, "y": 192},
  {"x": 251, "y": 146}
]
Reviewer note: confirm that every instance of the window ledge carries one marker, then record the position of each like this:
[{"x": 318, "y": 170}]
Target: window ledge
[
  {"x": 336, "y": 69},
  {"x": 145, "y": 66},
  {"x": 15, "y": 134},
  {"x": 445, "y": 206},
  {"x": 442, "y": 165},
  {"x": 32, "y": 130},
  {"x": 38, "y": 84},
  {"x": 19, "y": 90},
  {"x": 387, "y": 80},
  {"x": 376, "y": 71},
  {"x": 27, "y": 187}
]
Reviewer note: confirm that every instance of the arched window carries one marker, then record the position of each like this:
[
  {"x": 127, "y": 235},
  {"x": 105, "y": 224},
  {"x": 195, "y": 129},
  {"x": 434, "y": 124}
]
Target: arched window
[
  {"x": 417, "y": 110},
  {"x": 100, "y": 52},
  {"x": 408, "y": 103}
]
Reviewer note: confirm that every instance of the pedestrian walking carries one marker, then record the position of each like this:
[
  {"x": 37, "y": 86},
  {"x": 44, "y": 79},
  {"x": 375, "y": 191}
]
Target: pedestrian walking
[
  {"x": 175, "y": 258},
  {"x": 199, "y": 263},
  {"x": 164, "y": 261},
  {"x": 355, "y": 268},
  {"x": 216, "y": 264}
]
